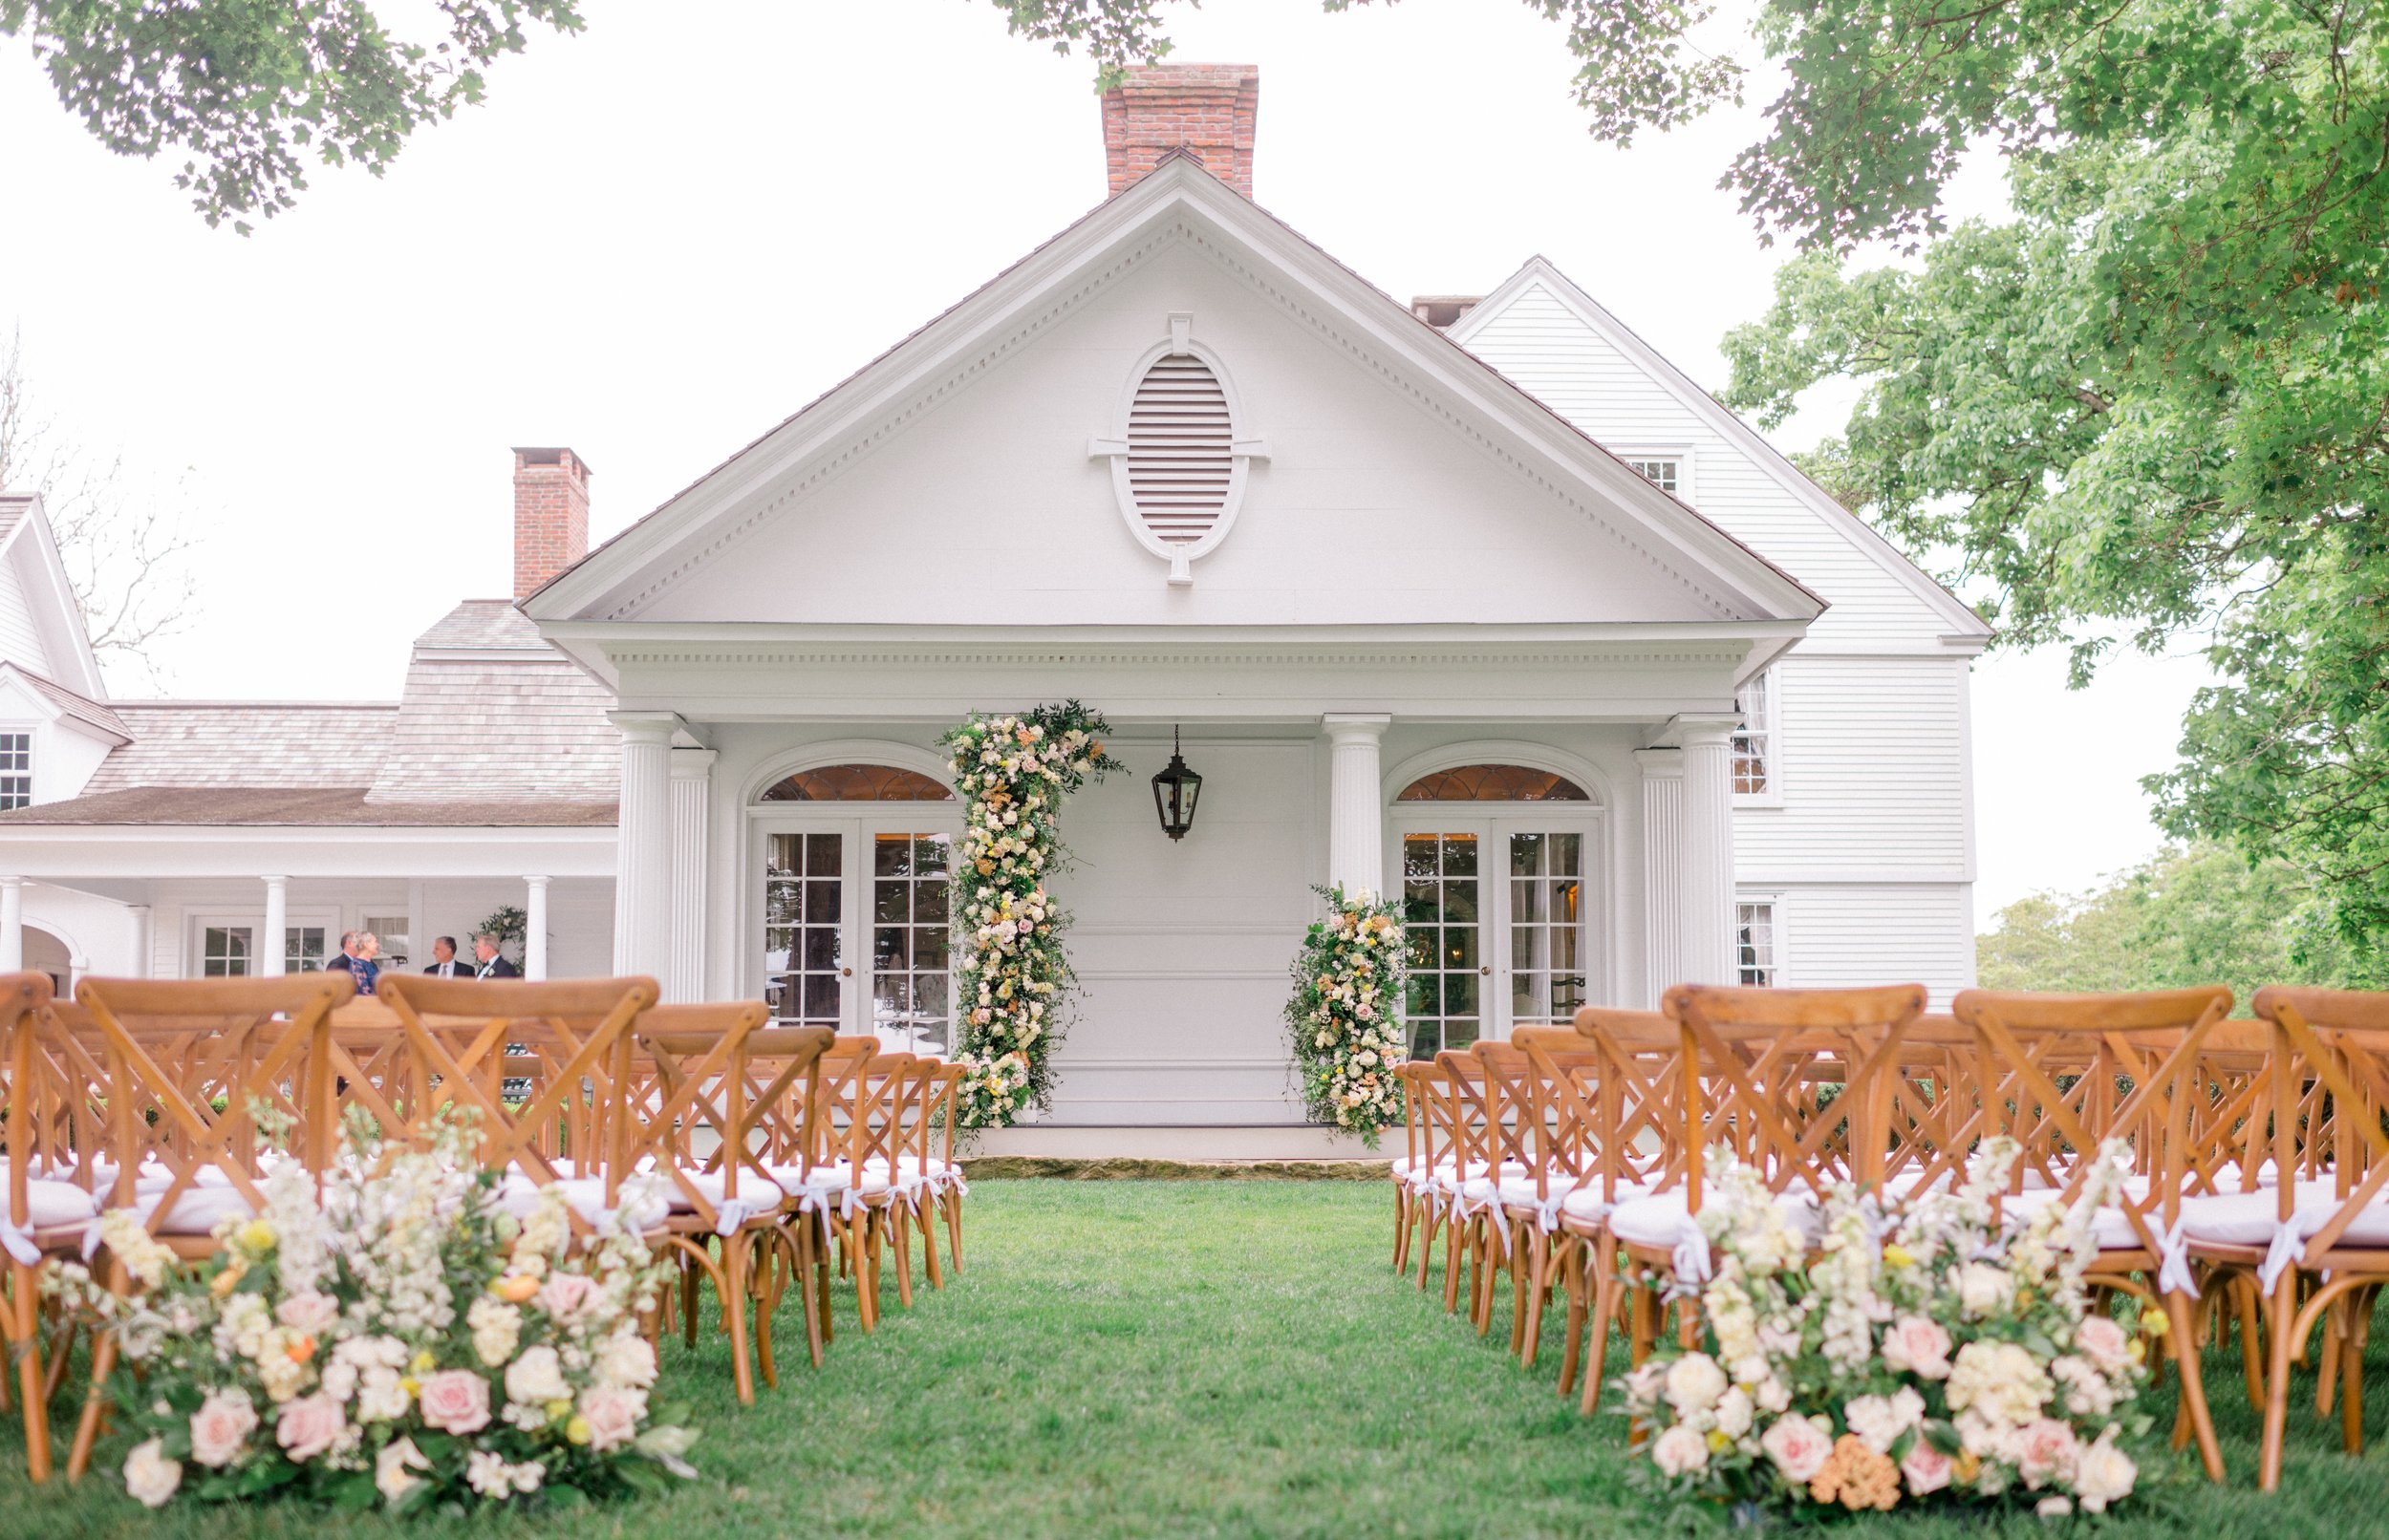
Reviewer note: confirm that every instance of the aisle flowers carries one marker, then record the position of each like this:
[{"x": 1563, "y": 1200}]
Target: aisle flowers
[
  {"x": 400, "y": 1341},
  {"x": 1011, "y": 976},
  {"x": 1345, "y": 1016},
  {"x": 1953, "y": 1360}
]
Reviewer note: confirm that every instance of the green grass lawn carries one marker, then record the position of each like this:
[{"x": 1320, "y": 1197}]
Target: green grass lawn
[{"x": 1191, "y": 1358}]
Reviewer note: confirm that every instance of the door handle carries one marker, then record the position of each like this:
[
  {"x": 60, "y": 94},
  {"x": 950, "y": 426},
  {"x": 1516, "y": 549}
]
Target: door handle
[
  {"x": 846, "y": 973},
  {"x": 1486, "y": 971}
]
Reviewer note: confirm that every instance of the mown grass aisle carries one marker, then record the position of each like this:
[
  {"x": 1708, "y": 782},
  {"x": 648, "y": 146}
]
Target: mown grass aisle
[{"x": 1186, "y": 1359}]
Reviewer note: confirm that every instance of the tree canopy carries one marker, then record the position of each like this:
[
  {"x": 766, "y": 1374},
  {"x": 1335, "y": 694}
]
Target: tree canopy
[{"x": 2200, "y": 915}]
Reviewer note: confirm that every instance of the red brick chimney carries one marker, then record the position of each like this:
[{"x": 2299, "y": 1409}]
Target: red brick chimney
[
  {"x": 1207, "y": 108},
  {"x": 551, "y": 515}
]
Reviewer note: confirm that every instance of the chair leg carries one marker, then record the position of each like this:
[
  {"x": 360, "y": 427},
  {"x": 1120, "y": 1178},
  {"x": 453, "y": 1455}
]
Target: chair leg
[
  {"x": 2327, "y": 1366},
  {"x": 766, "y": 1288},
  {"x": 2182, "y": 1314},
  {"x": 1401, "y": 1226},
  {"x": 2358, "y": 1327},
  {"x": 1606, "y": 1287},
  {"x": 954, "y": 1227},
  {"x": 1537, "y": 1267},
  {"x": 2243, "y": 1295},
  {"x": 25, "y": 1306},
  {"x": 903, "y": 1219},
  {"x": 103, "y": 1361},
  {"x": 732, "y": 1282},
  {"x": 2285, "y": 1310},
  {"x": 1573, "y": 1275},
  {"x": 688, "y": 1300},
  {"x": 927, "y": 1222}
]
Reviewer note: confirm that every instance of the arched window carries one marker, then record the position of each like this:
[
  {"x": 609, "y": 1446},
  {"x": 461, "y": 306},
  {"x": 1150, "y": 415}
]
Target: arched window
[
  {"x": 859, "y": 784},
  {"x": 1493, "y": 783}
]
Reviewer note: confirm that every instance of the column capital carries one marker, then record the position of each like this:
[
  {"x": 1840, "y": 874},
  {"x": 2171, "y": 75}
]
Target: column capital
[
  {"x": 645, "y": 726},
  {"x": 271, "y": 878},
  {"x": 537, "y": 881},
  {"x": 1346, "y": 726},
  {"x": 1660, "y": 765},
  {"x": 693, "y": 764},
  {"x": 1697, "y": 729}
]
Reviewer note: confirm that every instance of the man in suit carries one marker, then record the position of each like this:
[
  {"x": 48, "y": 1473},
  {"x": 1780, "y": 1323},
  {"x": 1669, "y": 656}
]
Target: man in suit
[
  {"x": 491, "y": 964},
  {"x": 357, "y": 951},
  {"x": 443, "y": 962}
]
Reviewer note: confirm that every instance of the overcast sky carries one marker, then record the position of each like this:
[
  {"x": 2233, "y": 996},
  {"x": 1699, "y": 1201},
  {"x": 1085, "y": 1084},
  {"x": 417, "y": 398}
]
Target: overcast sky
[{"x": 658, "y": 238}]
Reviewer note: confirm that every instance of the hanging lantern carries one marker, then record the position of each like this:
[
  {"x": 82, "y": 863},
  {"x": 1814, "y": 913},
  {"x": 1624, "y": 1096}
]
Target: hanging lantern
[{"x": 1174, "y": 790}]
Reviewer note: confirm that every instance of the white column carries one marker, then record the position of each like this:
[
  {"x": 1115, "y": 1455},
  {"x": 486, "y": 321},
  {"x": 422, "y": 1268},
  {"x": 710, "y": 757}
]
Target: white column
[
  {"x": 642, "y": 873},
  {"x": 1356, "y": 814},
  {"x": 144, "y": 956},
  {"x": 535, "y": 929},
  {"x": 1662, "y": 869},
  {"x": 692, "y": 801},
  {"x": 269, "y": 945},
  {"x": 12, "y": 924},
  {"x": 1708, "y": 847}
]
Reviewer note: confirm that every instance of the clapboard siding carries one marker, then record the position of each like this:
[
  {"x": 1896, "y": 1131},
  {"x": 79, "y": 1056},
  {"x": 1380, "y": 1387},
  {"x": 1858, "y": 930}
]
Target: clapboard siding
[
  {"x": 1891, "y": 933},
  {"x": 1871, "y": 756},
  {"x": 1540, "y": 342},
  {"x": 20, "y": 639}
]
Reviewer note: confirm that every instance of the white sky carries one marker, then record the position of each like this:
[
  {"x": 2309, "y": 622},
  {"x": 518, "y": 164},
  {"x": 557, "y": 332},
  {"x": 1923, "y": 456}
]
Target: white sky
[{"x": 659, "y": 238}]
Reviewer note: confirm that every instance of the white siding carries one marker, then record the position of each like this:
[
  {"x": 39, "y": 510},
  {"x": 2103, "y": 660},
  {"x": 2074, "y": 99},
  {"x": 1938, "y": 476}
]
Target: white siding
[
  {"x": 20, "y": 638},
  {"x": 1874, "y": 934},
  {"x": 1541, "y": 343},
  {"x": 1870, "y": 753}
]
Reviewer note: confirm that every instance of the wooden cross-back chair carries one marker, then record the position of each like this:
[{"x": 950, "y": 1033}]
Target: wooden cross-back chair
[
  {"x": 1934, "y": 1107},
  {"x": 2310, "y": 1227},
  {"x": 1628, "y": 1093},
  {"x": 1555, "y": 1079},
  {"x": 1410, "y": 1170},
  {"x": 941, "y": 1191},
  {"x": 1474, "y": 1206},
  {"x": 700, "y": 1076},
  {"x": 575, "y": 1042},
  {"x": 826, "y": 1177},
  {"x": 44, "y": 1212},
  {"x": 1507, "y": 1193},
  {"x": 2066, "y": 1074},
  {"x": 171, "y": 1050},
  {"x": 1434, "y": 1211}
]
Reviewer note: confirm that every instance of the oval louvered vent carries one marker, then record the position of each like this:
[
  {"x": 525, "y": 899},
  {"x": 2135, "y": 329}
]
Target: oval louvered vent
[{"x": 1181, "y": 459}]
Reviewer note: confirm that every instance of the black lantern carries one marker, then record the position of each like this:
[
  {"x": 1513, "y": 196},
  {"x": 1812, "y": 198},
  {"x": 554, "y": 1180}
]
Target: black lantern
[{"x": 1174, "y": 791}]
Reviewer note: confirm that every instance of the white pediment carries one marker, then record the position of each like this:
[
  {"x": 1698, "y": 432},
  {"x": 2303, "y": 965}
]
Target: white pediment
[{"x": 965, "y": 479}]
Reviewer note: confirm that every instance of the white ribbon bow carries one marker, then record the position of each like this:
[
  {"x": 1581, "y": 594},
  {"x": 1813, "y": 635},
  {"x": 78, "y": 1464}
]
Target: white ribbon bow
[
  {"x": 732, "y": 1212},
  {"x": 2173, "y": 1270},
  {"x": 19, "y": 1243},
  {"x": 1690, "y": 1262},
  {"x": 2288, "y": 1248}
]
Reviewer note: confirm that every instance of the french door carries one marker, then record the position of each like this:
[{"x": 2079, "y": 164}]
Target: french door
[
  {"x": 1501, "y": 923},
  {"x": 856, "y": 927}
]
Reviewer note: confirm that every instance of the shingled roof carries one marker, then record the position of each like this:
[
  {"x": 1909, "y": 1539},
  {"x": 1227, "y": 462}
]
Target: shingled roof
[
  {"x": 491, "y": 712},
  {"x": 246, "y": 743},
  {"x": 313, "y": 806}
]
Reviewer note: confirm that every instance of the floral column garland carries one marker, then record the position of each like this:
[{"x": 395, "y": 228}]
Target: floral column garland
[
  {"x": 1010, "y": 974},
  {"x": 1345, "y": 1017}
]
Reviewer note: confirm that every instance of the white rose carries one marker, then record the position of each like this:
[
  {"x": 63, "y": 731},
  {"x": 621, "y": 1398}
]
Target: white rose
[
  {"x": 1734, "y": 1413},
  {"x": 1873, "y": 1418},
  {"x": 1983, "y": 1289},
  {"x": 395, "y": 1468},
  {"x": 1679, "y": 1450},
  {"x": 149, "y": 1476},
  {"x": 537, "y": 1377},
  {"x": 627, "y": 1359},
  {"x": 1694, "y": 1383},
  {"x": 1772, "y": 1394},
  {"x": 2102, "y": 1473}
]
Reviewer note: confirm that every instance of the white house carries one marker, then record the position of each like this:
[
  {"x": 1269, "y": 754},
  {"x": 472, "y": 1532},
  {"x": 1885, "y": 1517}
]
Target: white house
[{"x": 1478, "y": 599}]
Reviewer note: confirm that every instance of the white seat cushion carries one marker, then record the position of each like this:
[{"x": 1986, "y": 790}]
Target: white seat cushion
[
  {"x": 756, "y": 1191},
  {"x": 1659, "y": 1220},
  {"x": 1587, "y": 1205},
  {"x": 2249, "y": 1218},
  {"x": 2112, "y": 1229},
  {"x": 197, "y": 1211},
  {"x": 1520, "y": 1190},
  {"x": 586, "y": 1195},
  {"x": 50, "y": 1204}
]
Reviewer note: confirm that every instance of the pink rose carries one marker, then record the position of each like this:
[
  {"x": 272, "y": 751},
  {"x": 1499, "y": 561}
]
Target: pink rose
[
  {"x": 566, "y": 1295},
  {"x": 311, "y": 1313},
  {"x": 2103, "y": 1342},
  {"x": 223, "y": 1420},
  {"x": 1919, "y": 1346},
  {"x": 1926, "y": 1469},
  {"x": 612, "y": 1415},
  {"x": 456, "y": 1401},
  {"x": 309, "y": 1425},
  {"x": 1797, "y": 1445},
  {"x": 2045, "y": 1451}
]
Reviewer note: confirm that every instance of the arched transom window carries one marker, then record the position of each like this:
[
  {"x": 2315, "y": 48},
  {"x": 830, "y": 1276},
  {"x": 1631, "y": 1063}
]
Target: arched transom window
[
  {"x": 859, "y": 784},
  {"x": 1493, "y": 783}
]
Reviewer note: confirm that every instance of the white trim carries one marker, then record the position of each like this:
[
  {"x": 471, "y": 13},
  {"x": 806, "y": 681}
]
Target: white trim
[
  {"x": 1964, "y": 626},
  {"x": 1244, "y": 449},
  {"x": 1778, "y": 956},
  {"x": 888, "y": 752},
  {"x": 1521, "y": 752},
  {"x": 1685, "y": 478}
]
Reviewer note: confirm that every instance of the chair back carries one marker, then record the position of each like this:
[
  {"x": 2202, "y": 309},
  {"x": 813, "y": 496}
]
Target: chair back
[
  {"x": 38, "y": 1133},
  {"x": 1637, "y": 1141},
  {"x": 712, "y": 1075},
  {"x": 2330, "y": 1101},
  {"x": 1563, "y": 1121}
]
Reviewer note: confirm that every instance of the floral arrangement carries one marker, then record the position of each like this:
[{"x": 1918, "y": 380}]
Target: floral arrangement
[
  {"x": 1011, "y": 976},
  {"x": 398, "y": 1340},
  {"x": 1345, "y": 1016},
  {"x": 1955, "y": 1361}
]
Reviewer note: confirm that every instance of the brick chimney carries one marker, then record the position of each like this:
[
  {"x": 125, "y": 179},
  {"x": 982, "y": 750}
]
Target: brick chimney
[
  {"x": 1206, "y": 108},
  {"x": 551, "y": 515}
]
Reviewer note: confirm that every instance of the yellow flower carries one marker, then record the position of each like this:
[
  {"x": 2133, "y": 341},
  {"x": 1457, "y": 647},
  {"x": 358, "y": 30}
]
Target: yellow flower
[
  {"x": 2154, "y": 1323},
  {"x": 557, "y": 1410},
  {"x": 1719, "y": 1442},
  {"x": 409, "y": 1384},
  {"x": 424, "y": 1362},
  {"x": 577, "y": 1430},
  {"x": 257, "y": 1235},
  {"x": 1896, "y": 1255},
  {"x": 2137, "y": 1350}
]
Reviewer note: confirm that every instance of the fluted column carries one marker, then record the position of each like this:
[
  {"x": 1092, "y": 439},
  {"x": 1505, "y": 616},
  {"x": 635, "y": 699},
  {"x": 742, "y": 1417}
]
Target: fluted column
[
  {"x": 1708, "y": 847},
  {"x": 12, "y": 924},
  {"x": 642, "y": 873},
  {"x": 271, "y": 945},
  {"x": 1356, "y": 818},
  {"x": 692, "y": 802},
  {"x": 535, "y": 929},
  {"x": 144, "y": 954},
  {"x": 1662, "y": 869}
]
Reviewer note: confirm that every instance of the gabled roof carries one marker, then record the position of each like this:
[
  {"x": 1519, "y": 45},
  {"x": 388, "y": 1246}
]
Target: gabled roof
[
  {"x": 97, "y": 716},
  {"x": 1962, "y": 620},
  {"x": 26, "y": 539},
  {"x": 1179, "y": 200},
  {"x": 492, "y": 711}
]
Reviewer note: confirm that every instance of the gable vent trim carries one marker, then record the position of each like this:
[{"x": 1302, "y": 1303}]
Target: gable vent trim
[{"x": 1177, "y": 465}]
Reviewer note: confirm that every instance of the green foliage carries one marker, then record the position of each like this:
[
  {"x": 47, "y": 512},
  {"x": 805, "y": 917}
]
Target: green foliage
[
  {"x": 253, "y": 90},
  {"x": 2201, "y": 915},
  {"x": 508, "y": 925},
  {"x": 1345, "y": 1015}
]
